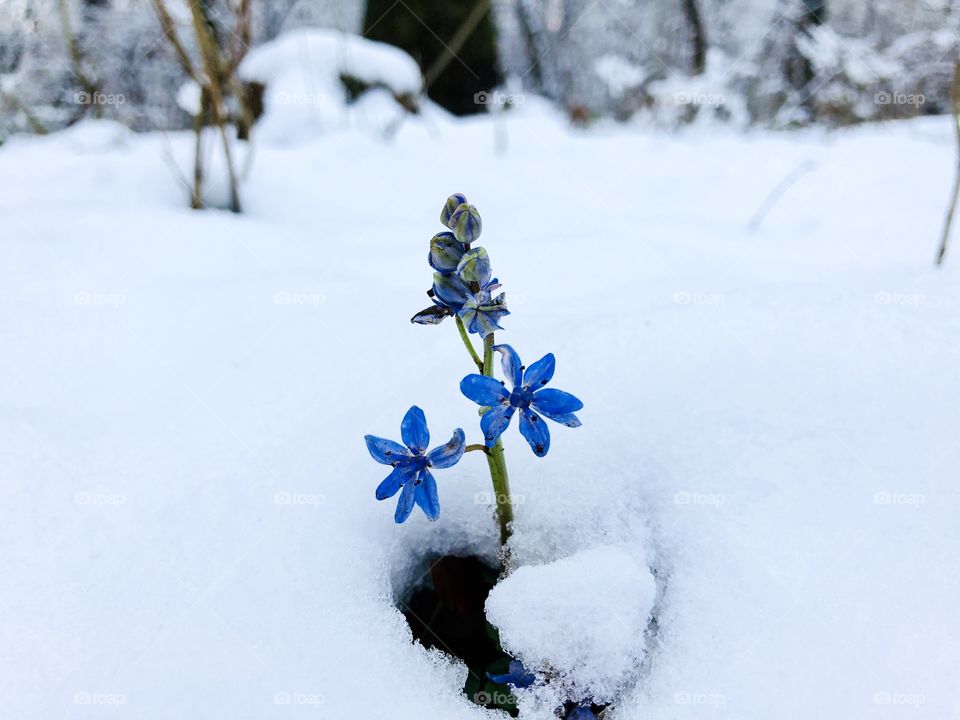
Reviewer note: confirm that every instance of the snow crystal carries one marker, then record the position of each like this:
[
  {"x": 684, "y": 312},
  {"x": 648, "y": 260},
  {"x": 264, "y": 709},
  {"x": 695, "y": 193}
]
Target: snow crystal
[{"x": 583, "y": 616}]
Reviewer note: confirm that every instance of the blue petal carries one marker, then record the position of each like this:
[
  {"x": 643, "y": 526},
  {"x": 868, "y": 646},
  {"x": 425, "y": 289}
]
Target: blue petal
[
  {"x": 494, "y": 422},
  {"x": 558, "y": 405},
  {"x": 517, "y": 676},
  {"x": 388, "y": 488},
  {"x": 484, "y": 390},
  {"x": 581, "y": 712},
  {"x": 539, "y": 374},
  {"x": 535, "y": 430},
  {"x": 414, "y": 431},
  {"x": 385, "y": 451},
  {"x": 448, "y": 455},
  {"x": 512, "y": 366},
  {"x": 450, "y": 290},
  {"x": 405, "y": 504},
  {"x": 426, "y": 495}
]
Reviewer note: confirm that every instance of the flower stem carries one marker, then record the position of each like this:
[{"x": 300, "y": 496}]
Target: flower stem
[
  {"x": 466, "y": 341},
  {"x": 497, "y": 462},
  {"x": 476, "y": 448}
]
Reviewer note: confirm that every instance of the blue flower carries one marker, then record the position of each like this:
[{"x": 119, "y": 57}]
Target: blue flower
[
  {"x": 411, "y": 465},
  {"x": 516, "y": 676},
  {"x": 527, "y": 395},
  {"x": 480, "y": 310},
  {"x": 581, "y": 712}
]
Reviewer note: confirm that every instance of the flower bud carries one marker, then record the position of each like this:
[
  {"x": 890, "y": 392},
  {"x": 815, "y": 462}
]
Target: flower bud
[
  {"x": 474, "y": 267},
  {"x": 453, "y": 202},
  {"x": 445, "y": 252},
  {"x": 465, "y": 223}
]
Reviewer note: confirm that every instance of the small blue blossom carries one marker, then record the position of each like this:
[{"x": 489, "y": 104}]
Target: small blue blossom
[
  {"x": 480, "y": 310},
  {"x": 580, "y": 712},
  {"x": 411, "y": 465},
  {"x": 526, "y": 394},
  {"x": 517, "y": 676}
]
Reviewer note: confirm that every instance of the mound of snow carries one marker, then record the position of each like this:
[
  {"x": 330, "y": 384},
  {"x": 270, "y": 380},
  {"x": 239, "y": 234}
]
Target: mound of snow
[
  {"x": 302, "y": 69},
  {"x": 583, "y": 616}
]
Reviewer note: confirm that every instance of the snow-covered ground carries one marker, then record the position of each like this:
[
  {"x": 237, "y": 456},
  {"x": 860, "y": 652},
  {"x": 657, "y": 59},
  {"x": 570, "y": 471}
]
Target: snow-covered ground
[{"x": 772, "y": 419}]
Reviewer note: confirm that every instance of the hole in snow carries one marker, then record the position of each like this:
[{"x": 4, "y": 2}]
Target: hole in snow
[{"x": 445, "y": 611}]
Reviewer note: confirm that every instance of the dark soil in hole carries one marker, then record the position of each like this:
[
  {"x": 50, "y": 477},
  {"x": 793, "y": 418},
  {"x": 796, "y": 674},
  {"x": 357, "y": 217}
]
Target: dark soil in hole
[{"x": 447, "y": 614}]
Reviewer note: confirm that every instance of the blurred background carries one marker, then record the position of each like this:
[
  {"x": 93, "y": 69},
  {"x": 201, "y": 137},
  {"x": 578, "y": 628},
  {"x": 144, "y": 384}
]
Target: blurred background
[{"x": 775, "y": 63}]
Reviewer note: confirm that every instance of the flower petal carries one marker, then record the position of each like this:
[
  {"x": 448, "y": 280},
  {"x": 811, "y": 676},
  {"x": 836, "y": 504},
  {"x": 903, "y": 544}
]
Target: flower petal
[
  {"x": 494, "y": 422},
  {"x": 384, "y": 451},
  {"x": 450, "y": 290},
  {"x": 405, "y": 504},
  {"x": 512, "y": 365},
  {"x": 556, "y": 402},
  {"x": 535, "y": 430},
  {"x": 484, "y": 390},
  {"x": 433, "y": 315},
  {"x": 539, "y": 374},
  {"x": 558, "y": 405},
  {"x": 414, "y": 431},
  {"x": 388, "y": 488},
  {"x": 448, "y": 455},
  {"x": 426, "y": 495}
]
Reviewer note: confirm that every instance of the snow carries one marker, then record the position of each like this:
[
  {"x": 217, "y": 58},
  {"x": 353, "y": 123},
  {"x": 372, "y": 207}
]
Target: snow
[
  {"x": 301, "y": 70},
  {"x": 583, "y": 617},
  {"x": 771, "y": 419}
]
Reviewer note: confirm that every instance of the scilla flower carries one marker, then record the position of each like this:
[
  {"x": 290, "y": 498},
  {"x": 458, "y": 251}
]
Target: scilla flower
[
  {"x": 527, "y": 395},
  {"x": 411, "y": 465},
  {"x": 516, "y": 676}
]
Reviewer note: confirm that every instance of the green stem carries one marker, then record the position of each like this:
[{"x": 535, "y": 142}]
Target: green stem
[
  {"x": 497, "y": 462},
  {"x": 476, "y": 448},
  {"x": 466, "y": 341}
]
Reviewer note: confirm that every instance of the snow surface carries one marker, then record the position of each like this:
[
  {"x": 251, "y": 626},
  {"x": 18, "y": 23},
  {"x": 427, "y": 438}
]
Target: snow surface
[
  {"x": 771, "y": 424},
  {"x": 582, "y": 617}
]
